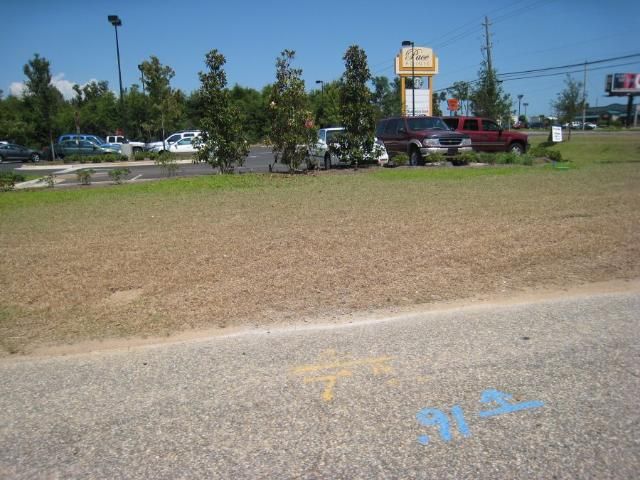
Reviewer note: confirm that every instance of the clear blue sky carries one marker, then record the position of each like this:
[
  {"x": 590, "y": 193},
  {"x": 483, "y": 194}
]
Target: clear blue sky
[{"x": 526, "y": 34}]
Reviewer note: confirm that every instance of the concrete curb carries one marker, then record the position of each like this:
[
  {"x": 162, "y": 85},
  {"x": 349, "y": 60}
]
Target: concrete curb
[{"x": 77, "y": 166}]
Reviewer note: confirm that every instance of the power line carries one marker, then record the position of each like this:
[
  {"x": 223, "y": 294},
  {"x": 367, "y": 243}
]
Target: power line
[
  {"x": 594, "y": 62},
  {"x": 525, "y": 74},
  {"x": 565, "y": 73}
]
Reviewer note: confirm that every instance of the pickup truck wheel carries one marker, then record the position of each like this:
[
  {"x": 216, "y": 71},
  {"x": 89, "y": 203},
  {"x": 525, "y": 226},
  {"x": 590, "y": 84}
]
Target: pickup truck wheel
[
  {"x": 414, "y": 159},
  {"x": 136, "y": 149},
  {"x": 1, "y": 159},
  {"x": 516, "y": 149},
  {"x": 35, "y": 158},
  {"x": 327, "y": 162}
]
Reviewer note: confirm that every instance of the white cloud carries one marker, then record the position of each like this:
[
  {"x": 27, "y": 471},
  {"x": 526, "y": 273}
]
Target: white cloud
[
  {"x": 17, "y": 89},
  {"x": 64, "y": 86}
]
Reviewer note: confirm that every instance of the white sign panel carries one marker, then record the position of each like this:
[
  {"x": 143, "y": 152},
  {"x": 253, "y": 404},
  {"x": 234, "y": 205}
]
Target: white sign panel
[
  {"x": 422, "y": 102},
  {"x": 556, "y": 134}
]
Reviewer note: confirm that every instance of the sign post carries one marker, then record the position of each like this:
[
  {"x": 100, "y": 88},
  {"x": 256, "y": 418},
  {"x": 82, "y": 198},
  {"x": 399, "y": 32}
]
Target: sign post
[{"x": 421, "y": 65}]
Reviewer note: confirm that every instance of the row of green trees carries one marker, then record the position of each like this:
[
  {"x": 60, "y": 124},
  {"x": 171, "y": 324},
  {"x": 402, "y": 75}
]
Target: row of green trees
[{"x": 154, "y": 107}]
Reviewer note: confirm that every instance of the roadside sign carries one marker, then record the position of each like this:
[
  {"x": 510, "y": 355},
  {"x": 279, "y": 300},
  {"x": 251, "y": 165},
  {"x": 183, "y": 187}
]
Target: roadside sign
[
  {"x": 452, "y": 104},
  {"x": 556, "y": 134}
]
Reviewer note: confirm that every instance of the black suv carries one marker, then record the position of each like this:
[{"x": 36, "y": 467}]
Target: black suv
[{"x": 420, "y": 137}]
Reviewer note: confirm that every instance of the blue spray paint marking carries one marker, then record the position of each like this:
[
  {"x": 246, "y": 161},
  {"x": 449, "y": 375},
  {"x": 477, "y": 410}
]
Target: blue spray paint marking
[
  {"x": 458, "y": 416},
  {"x": 501, "y": 398},
  {"x": 430, "y": 417}
]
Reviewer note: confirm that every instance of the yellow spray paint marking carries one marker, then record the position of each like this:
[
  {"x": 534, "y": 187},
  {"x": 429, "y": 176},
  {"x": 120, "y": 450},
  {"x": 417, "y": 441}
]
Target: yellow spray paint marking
[
  {"x": 343, "y": 368},
  {"x": 330, "y": 383}
]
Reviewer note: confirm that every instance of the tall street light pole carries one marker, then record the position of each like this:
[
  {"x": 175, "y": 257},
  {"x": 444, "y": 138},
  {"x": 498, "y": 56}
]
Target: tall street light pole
[
  {"x": 408, "y": 43},
  {"x": 525, "y": 104},
  {"x": 321, "y": 82},
  {"x": 116, "y": 22},
  {"x": 519, "y": 100}
]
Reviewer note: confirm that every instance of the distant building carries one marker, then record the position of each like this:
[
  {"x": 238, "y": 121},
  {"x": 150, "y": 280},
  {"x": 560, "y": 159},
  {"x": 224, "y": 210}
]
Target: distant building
[{"x": 606, "y": 114}]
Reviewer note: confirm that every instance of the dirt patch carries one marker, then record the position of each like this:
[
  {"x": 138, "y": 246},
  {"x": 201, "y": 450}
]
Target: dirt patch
[
  {"x": 123, "y": 297},
  {"x": 153, "y": 264}
]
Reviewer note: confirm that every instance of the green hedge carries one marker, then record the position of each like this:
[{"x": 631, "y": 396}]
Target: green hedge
[{"x": 115, "y": 157}]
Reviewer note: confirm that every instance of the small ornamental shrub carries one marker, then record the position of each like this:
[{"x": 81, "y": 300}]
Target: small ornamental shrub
[
  {"x": 8, "y": 180},
  {"x": 118, "y": 175},
  {"x": 435, "y": 158},
  {"x": 84, "y": 176},
  {"x": 400, "y": 159},
  {"x": 485, "y": 157},
  {"x": 50, "y": 180},
  {"x": 468, "y": 157}
]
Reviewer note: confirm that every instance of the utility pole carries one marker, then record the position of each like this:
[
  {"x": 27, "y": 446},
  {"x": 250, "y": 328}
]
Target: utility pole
[
  {"x": 584, "y": 95},
  {"x": 487, "y": 43}
]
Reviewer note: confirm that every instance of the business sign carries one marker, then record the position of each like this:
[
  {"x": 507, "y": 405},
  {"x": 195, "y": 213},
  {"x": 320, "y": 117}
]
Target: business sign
[
  {"x": 421, "y": 102},
  {"x": 452, "y": 104},
  {"x": 623, "y": 83},
  {"x": 556, "y": 134},
  {"x": 420, "y": 60},
  {"x": 416, "y": 67}
]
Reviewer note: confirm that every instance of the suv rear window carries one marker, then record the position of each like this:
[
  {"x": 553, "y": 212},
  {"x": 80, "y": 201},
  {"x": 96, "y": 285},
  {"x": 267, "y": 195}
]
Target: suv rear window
[{"x": 471, "y": 124}]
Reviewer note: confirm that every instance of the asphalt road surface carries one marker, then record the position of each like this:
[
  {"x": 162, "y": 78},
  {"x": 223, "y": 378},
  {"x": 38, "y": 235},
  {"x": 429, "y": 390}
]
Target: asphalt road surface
[{"x": 542, "y": 390}]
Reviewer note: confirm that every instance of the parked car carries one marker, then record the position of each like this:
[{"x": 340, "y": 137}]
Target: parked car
[
  {"x": 575, "y": 125},
  {"x": 487, "y": 136},
  {"x": 590, "y": 126},
  {"x": 420, "y": 137},
  {"x": 322, "y": 155},
  {"x": 183, "y": 146},
  {"x": 121, "y": 140},
  {"x": 13, "y": 152},
  {"x": 170, "y": 140},
  {"x": 80, "y": 147},
  {"x": 95, "y": 139}
]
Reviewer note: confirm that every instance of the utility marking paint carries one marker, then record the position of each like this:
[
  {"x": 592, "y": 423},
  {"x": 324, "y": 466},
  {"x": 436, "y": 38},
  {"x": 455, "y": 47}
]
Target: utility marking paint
[
  {"x": 330, "y": 369},
  {"x": 501, "y": 399},
  {"x": 432, "y": 417}
]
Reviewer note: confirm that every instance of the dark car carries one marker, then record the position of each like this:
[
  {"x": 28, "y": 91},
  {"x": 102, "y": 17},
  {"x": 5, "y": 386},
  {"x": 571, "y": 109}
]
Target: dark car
[
  {"x": 419, "y": 137},
  {"x": 13, "y": 152},
  {"x": 79, "y": 147}
]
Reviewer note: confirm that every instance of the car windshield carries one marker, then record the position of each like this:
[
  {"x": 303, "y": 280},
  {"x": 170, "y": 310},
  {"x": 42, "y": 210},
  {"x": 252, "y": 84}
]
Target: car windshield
[
  {"x": 332, "y": 134},
  {"x": 426, "y": 123},
  {"x": 99, "y": 140}
]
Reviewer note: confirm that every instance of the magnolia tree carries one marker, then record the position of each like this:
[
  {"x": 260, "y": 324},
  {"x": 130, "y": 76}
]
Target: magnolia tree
[
  {"x": 356, "y": 109},
  {"x": 292, "y": 132},
  {"x": 222, "y": 143}
]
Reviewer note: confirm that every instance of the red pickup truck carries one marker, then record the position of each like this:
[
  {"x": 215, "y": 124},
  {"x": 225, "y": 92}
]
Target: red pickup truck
[{"x": 487, "y": 136}]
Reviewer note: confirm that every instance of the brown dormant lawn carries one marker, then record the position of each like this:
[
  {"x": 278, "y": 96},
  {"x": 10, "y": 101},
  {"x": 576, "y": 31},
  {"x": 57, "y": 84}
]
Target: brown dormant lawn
[{"x": 256, "y": 250}]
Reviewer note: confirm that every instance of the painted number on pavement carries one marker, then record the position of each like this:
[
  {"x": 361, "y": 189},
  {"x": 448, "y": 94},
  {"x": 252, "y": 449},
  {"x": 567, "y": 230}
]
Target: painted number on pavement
[{"x": 502, "y": 404}]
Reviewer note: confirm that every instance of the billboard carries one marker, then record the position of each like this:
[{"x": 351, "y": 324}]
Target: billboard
[{"x": 623, "y": 83}]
